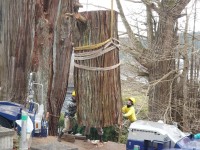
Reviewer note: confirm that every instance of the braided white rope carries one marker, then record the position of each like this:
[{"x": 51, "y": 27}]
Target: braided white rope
[
  {"x": 96, "y": 68},
  {"x": 93, "y": 54},
  {"x": 112, "y": 45}
]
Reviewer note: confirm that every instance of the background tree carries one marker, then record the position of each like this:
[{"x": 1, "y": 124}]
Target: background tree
[{"x": 159, "y": 55}]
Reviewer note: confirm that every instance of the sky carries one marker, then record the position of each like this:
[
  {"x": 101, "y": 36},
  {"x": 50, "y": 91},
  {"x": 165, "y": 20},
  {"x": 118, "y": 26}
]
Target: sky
[
  {"x": 89, "y": 5},
  {"x": 134, "y": 11}
]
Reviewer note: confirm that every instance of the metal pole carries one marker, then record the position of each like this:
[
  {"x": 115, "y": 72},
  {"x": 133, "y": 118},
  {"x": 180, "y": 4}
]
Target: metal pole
[{"x": 24, "y": 141}]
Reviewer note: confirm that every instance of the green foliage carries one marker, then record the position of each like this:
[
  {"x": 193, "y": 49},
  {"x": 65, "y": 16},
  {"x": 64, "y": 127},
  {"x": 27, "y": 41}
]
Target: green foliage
[
  {"x": 61, "y": 121},
  {"x": 110, "y": 134},
  {"x": 79, "y": 129},
  {"x": 75, "y": 128},
  {"x": 123, "y": 138}
]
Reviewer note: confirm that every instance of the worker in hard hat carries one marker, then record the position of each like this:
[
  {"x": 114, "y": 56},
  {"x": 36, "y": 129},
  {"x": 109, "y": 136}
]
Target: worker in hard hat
[
  {"x": 129, "y": 110},
  {"x": 69, "y": 116}
]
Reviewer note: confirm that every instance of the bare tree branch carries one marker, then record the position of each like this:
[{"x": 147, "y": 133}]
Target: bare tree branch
[
  {"x": 151, "y": 5},
  {"x": 138, "y": 45}
]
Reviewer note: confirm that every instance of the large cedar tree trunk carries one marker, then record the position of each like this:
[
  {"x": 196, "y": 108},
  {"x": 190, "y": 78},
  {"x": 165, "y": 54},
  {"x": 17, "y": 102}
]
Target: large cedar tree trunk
[
  {"x": 98, "y": 91},
  {"x": 17, "y": 40},
  {"x": 36, "y": 37},
  {"x": 61, "y": 26}
]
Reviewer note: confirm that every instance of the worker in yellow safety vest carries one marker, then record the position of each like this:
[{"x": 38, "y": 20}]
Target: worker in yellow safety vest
[{"x": 129, "y": 110}]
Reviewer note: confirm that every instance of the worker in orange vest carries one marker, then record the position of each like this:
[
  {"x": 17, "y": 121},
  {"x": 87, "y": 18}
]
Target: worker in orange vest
[{"x": 129, "y": 110}]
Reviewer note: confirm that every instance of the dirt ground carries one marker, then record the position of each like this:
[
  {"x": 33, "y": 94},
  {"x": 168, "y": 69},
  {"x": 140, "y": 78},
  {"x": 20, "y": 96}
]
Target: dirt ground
[{"x": 80, "y": 144}]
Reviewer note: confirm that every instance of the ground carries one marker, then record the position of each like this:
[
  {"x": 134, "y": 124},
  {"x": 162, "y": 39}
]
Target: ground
[{"x": 80, "y": 144}]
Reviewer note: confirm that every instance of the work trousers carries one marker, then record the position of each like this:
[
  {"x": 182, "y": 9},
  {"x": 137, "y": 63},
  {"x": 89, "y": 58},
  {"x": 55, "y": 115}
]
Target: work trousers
[{"x": 68, "y": 124}]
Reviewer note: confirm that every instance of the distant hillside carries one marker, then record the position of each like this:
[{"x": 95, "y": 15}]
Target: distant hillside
[{"x": 132, "y": 84}]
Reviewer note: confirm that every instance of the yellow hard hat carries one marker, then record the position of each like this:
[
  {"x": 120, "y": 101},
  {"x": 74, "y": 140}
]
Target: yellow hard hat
[
  {"x": 132, "y": 99},
  {"x": 73, "y": 93}
]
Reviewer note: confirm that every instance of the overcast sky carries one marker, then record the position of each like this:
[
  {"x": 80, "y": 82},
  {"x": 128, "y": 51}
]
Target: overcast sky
[
  {"x": 89, "y": 5},
  {"x": 133, "y": 11},
  {"x": 98, "y": 4}
]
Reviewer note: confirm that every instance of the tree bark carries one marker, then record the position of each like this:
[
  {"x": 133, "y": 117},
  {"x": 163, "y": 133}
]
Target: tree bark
[
  {"x": 162, "y": 63},
  {"x": 98, "y": 91},
  {"x": 16, "y": 47},
  {"x": 36, "y": 37},
  {"x": 60, "y": 58},
  {"x": 159, "y": 57}
]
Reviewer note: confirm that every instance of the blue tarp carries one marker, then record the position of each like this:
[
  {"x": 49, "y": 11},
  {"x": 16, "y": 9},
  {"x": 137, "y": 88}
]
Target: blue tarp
[{"x": 10, "y": 110}]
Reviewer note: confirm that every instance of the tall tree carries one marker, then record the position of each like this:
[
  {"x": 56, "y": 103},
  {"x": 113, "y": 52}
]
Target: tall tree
[
  {"x": 52, "y": 50},
  {"x": 159, "y": 56},
  {"x": 16, "y": 47},
  {"x": 36, "y": 36}
]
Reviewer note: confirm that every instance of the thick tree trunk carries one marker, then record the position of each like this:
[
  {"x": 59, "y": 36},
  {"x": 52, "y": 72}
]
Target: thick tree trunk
[
  {"x": 52, "y": 54},
  {"x": 17, "y": 33},
  {"x": 36, "y": 37},
  {"x": 41, "y": 54},
  {"x": 60, "y": 58},
  {"x": 162, "y": 70},
  {"x": 98, "y": 90}
]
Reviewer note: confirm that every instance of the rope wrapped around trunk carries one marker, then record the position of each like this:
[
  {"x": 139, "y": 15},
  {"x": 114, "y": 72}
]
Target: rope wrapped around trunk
[
  {"x": 96, "y": 53},
  {"x": 97, "y": 70},
  {"x": 97, "y": 82}
]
